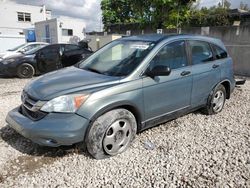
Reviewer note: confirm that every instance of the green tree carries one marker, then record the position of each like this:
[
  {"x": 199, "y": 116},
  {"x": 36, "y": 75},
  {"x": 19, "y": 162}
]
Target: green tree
[
  {"x": 115, "y": 11},
  {"x": 214, "y": 16},
  {"x": 159, "y": 13}
]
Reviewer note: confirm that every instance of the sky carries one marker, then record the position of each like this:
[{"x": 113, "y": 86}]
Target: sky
[
  {"x": 234, "y": 3},
  {"x": 90, "y": 11}
]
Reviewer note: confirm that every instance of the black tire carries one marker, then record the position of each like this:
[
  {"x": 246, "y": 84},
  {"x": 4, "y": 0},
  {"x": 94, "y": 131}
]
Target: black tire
[
  {"x": 25, "y": 70},
  {"x": 103, "y": 128},
  {"x": 211, "y": 107}
]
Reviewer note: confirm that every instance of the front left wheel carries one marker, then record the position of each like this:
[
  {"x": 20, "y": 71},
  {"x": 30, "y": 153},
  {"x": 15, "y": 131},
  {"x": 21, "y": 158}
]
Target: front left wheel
[
  {"x": 25, "y": 70},
  {"x": 111, "y": 133}
]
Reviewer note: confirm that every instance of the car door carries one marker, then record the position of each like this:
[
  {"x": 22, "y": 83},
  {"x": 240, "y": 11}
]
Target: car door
[
  {"x": 72, "y": 54},
  {"x": 225, "y": 62},
  {"x": 205, "y": 70},
  {"x": 164, "y": 95},
  {"x": 48, "y": 58}
]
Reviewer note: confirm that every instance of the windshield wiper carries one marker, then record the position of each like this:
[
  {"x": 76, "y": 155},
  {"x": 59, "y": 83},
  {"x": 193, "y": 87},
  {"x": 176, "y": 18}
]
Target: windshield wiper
[{"x": 93, "y": 70}]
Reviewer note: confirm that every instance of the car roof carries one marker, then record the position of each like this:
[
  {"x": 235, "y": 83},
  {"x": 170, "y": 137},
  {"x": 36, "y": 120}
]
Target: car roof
[
  {"x": 29, "y": 43},
  {"x": 160, "y": 37},
  {"x": 156, "y": 38},
  {"x": 60, "y": 44},
  {"x": 147, "y": 37}
]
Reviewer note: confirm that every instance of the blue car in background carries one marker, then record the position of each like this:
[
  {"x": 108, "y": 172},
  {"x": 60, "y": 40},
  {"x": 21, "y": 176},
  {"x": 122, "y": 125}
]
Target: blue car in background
[{"x": 127, "y": 86}]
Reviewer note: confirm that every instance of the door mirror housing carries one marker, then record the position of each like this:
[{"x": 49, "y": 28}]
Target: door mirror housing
[
  {"x": 159, "y": 70},
  {"x": 21, "y": 50}
]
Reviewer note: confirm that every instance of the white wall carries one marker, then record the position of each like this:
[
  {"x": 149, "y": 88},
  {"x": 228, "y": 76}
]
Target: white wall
[
  {"x": 8, "y": 15},
  {"x": 102, "y": 40},
  {"x": 10, "y": 41},
  {"x": 56, "y": 26},
  {"x": 40, "y": 28},
  {"x": 10, "y": 27},
  {"x": 77, "y": 25}
]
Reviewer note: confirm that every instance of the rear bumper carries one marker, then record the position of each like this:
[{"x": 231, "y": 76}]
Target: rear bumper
[{"x": 53, "y": 130}]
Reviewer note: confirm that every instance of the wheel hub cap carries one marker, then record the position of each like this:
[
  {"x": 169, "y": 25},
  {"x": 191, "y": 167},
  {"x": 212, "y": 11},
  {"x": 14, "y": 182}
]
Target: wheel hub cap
[
  {"x": 117, "y": 137},
  {"x": 218, "y": 101},
  {"x": 25, "y": 71}
]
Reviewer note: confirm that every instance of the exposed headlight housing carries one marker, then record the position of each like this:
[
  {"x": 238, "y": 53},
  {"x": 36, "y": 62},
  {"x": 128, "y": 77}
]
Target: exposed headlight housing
[
  {"x": 65, "y": 103},
  {"x": 6, "y": 61}
]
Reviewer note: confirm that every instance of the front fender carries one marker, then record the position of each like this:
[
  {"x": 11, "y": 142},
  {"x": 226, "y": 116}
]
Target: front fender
[{"x": 131, "y": 100}]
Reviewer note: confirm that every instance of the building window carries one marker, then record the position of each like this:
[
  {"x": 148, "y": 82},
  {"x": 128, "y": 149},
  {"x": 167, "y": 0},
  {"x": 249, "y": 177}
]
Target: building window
[
  {"x": 23, "y": 17},
  {"x": 67, "y": 32}
]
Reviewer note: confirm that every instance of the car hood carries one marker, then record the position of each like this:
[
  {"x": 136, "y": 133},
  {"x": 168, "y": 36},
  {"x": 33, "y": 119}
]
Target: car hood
[
  {"x": 19, "y": 58},
  {"x": 14, "y": 56},
  {"x": 65, "y": 81},
  {"x": 8, "y": 54}
]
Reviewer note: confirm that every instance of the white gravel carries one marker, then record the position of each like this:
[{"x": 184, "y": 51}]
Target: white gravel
[{"x": 195, "y": 150}]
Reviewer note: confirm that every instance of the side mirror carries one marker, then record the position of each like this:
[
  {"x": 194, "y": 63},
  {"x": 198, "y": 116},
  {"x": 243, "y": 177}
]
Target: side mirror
[
  {"x": 159, "y": 70},
  {"x": 21, "y": 51}
]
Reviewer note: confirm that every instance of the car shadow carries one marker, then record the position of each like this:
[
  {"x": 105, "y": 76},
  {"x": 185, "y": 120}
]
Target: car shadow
[{"x": 26, "y": 146}]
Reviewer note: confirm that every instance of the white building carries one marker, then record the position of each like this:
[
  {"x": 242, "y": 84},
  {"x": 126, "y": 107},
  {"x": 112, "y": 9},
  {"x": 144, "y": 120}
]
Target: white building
[
  {"x": 15, "y": 18},
  {"x": 60, "y": 30}
]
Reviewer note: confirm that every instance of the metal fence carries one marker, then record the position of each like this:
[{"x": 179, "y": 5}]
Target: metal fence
[{"x": 236, "y": 39}]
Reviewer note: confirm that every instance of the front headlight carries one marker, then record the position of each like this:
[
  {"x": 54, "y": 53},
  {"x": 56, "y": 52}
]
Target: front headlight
[
  {"x": 6, "y": 61},
  {"x": 65, "y": 103}
]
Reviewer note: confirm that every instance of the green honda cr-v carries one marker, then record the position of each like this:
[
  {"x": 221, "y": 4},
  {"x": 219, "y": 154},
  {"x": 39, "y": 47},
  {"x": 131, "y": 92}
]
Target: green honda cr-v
[{"x": 129, "y": 85}]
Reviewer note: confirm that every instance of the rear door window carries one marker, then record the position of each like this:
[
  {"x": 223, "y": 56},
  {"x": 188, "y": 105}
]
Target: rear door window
[
  {"x": 70, "y": 47},
  {"x": 50, "y": 50},
  {"x": 201, "y": 52}
]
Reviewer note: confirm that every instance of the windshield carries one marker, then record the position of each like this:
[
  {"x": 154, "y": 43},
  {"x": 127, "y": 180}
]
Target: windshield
[
  {"x": 119, "y": 58},
  {"x": 33, "y": 50},
  {"x": 16, "y": 48}
]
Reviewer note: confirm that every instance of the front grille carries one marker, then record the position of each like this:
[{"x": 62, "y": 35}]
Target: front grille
[
  {"x": 32, "y": 115},
  {"x": 31, "y": 107}
]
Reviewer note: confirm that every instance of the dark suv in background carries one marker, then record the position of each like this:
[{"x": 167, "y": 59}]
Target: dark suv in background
[{"x": 127, "y": 86}]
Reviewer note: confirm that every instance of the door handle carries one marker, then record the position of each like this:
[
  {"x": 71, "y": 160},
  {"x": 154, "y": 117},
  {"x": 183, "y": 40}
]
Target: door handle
[
  {"x": 184, "y": 73},
  {"x": 215, "y": 66}
]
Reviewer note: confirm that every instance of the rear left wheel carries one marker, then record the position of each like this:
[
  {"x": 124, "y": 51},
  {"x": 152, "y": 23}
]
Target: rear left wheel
[
  {"x": 216, "y": 101},
  {"x": 111, "y": 133}
]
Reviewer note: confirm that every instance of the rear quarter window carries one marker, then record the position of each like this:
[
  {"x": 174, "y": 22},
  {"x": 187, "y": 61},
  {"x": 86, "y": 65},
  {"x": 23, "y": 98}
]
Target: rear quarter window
[{"x": 219, "y": 52}]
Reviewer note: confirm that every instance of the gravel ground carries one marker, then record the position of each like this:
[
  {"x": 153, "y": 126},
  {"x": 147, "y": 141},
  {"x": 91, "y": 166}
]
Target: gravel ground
[{"x": 195, "y": 150}]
